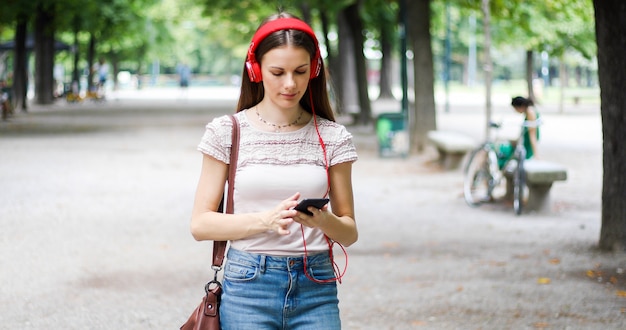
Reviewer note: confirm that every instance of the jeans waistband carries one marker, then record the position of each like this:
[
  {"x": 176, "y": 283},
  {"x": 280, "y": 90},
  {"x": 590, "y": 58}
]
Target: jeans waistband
[{"x": 276, "y": 262}]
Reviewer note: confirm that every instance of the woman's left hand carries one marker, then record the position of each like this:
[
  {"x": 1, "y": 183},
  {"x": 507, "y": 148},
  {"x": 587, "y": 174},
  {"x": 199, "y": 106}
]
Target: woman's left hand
[{"x": 316, "y": 220}]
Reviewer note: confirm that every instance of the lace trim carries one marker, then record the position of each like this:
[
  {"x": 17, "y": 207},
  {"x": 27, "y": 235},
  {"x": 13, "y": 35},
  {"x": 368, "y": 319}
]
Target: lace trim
[{"x": 287, "y": 148}]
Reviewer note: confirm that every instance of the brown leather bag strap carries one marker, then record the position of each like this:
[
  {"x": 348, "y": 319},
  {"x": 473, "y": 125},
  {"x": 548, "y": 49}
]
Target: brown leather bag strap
[{"x": 219, "y": 247}]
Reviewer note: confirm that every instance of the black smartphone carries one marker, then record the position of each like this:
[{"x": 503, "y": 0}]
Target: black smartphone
[{"x": 318, "y": 203}]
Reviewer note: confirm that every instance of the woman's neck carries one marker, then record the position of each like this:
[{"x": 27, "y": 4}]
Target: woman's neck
[
  {"x": 278, "y": 119},
  {"x": 277, "y": 115}
]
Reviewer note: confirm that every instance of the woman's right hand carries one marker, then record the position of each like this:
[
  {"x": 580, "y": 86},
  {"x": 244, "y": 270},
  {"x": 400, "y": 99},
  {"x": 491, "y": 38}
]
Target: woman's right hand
[{"x": 281, "y": 217}]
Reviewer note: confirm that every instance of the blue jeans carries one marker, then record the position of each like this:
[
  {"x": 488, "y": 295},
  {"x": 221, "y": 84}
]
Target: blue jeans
[{"x": 272, "y": 292}]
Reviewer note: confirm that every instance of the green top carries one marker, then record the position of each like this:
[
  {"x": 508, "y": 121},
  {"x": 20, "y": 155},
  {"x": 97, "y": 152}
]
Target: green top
[{"x": 527, "y": 145}]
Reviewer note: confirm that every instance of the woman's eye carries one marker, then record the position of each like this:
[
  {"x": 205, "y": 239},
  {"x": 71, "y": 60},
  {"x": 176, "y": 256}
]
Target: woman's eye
[{"x": 277, "y": 74}]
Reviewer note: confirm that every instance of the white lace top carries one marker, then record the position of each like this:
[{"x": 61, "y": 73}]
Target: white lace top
[{"x": 273, "y": 166}]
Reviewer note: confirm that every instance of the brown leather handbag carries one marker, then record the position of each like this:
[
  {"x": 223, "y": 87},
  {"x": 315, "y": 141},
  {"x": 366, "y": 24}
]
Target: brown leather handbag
[{"x": 207, "y": 316}]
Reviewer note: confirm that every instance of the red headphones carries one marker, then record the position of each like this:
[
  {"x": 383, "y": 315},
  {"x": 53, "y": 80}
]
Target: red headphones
[{"x": 252, "y": 65}]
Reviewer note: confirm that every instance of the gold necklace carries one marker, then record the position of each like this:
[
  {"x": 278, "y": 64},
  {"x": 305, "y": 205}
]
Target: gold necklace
[{"x": 277, "y": 128}]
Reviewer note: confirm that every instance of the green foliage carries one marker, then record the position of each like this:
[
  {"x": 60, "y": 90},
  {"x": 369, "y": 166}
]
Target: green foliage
[
  {"x": 550, "y": 25},
  {"x": 213, "y": 35},
  {"x": 562, "y": 28},
  {"x": 380, "y": 17}
]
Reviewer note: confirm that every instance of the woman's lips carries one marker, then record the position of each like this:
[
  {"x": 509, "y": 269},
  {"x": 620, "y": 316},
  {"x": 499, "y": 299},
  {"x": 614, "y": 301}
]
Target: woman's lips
[{"x": 289, "y": 96}]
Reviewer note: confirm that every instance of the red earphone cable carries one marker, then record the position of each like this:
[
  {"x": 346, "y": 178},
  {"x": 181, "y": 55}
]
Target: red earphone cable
[
  {"x": 336, "y": 270},
  {"x": 319, "y": 136},
  {"x": 338, "y": 273}
]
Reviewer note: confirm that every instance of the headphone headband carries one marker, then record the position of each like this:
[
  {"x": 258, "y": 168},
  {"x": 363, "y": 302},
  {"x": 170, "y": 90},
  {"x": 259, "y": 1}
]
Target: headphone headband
[{"x": 252, "y": 65}]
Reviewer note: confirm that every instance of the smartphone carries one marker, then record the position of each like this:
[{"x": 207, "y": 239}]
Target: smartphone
[{"x": 318, "y": 203}]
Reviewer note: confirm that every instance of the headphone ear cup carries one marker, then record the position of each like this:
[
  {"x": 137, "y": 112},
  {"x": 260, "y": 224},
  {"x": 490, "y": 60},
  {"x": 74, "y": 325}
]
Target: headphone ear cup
[
  {"x": 316, "y": 66},
  {"x": 254, "y": 71}
]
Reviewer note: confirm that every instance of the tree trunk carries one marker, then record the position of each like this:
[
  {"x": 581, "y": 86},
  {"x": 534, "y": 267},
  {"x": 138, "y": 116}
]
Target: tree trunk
[
  {"x": 115, "y": 66},
  {"x": 424, "y": 118},
  {"x": 611, "y": 39},
  {"x": 386, "y": 60},
  {"x": 332, "y": 72},
  {"x": 326, "y": 31},
  {"x": 44, "y": 55},
  {"x": 91, "y": 54},
  {"x": 351, "y": 14},
  {"x": 20, "y": 58},
  {"x": 347, "y": 100},
  {"x": 305, "y": 9},
  {"x": 529, "y": 75},
  {"x": 76, "y": 53}
]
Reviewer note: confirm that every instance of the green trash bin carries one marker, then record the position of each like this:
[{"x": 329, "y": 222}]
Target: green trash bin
[{"x": 393, "y": 138}]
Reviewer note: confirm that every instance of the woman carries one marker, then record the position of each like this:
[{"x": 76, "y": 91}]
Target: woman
[
  {"x": 531, "y": 131},
  {"x": 290, "y": 149}
]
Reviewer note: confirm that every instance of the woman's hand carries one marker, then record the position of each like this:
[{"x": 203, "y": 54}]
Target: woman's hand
[
  {"x": 282, "y": 216},
  {"x": 319, "y": 217}
]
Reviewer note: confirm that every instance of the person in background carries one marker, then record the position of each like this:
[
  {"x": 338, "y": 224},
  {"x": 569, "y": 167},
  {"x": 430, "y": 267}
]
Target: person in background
[
  {"x": 102, "y": 69},
  {"x": 5, "y": 100},
  {"x": 184, "y": 74},
  {"x": 525, "y": 106},
  {"x": 279, "y": 271}
]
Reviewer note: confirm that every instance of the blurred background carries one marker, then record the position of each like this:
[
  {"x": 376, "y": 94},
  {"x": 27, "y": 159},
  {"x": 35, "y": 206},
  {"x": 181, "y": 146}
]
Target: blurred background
[
  {"x": 545, "y": 50},
  {"x": 104, "y": 102}
]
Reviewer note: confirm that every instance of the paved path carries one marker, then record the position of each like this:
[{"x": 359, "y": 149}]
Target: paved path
[{"x": 95, "y": 203}]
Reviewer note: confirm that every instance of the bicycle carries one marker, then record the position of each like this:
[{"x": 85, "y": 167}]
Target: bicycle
[{"x": 492, "y": 161}]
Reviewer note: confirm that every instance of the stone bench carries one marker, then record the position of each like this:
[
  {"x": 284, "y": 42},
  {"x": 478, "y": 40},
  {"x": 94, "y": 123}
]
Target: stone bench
[
  {"x": 540, "y": 175},
  {"x": 452, "y": 147}
]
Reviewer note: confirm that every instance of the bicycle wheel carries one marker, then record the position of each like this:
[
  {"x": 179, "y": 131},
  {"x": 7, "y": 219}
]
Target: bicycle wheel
[
  {"x": 477, "y": 179},
  {"x": 519, "y": 181}
]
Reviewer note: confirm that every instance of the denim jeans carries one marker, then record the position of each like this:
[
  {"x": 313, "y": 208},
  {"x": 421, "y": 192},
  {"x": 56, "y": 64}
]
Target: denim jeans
[{"x": 273, "y": 292}]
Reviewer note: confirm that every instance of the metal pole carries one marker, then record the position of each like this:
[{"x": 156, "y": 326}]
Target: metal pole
[{"x": 488, "y": 64}]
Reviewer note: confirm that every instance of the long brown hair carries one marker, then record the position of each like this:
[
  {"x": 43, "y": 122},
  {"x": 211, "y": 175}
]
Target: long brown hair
[{"x": 252, "y": 93}]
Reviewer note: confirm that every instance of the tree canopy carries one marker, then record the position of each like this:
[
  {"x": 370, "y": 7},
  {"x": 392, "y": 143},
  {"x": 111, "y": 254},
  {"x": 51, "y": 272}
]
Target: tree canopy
[{"x": 212, "y": 35}]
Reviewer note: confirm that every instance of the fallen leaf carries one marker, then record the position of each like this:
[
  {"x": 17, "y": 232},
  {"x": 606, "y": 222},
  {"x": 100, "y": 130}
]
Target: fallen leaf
[
  {"x": 555, "y": 261},
  {"x": 541, "y": 325},
  {"x": 620, "y": 293},
  {"x": 591, "y": 273},
  {"x": 613, "y": 280},
  {"x": 418, "y": 323},
  {"x": 390, "y": 245},
  {"x": 543, "y": 280}
]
